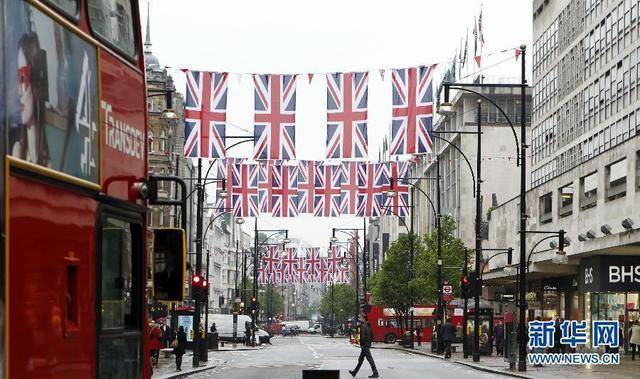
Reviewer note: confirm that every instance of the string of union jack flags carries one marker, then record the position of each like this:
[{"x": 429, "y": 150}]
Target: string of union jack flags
[
  {"x": 318, "y": 188},
  {"x": 274, "y": 130},
  {"x": 304, "y": 265}
]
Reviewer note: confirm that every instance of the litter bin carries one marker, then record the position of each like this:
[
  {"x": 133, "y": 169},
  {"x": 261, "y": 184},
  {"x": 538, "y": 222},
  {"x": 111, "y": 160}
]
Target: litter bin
[
  {"x": 406, "y": 340},
  {"x": 213, "y": 341}
]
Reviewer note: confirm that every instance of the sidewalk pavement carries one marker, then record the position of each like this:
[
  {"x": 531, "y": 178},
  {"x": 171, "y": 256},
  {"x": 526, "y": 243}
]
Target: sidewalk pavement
[
  {"x": 627, "y": 369},
  {"x": 166, "y": 368}
]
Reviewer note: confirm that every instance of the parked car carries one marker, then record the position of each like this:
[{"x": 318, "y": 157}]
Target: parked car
[
  {"x": 290, "y": 330},
  {"x": 314, "y": 329}
]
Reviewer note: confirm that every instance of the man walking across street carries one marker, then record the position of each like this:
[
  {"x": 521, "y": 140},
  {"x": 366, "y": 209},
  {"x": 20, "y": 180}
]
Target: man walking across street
[
  {"x": 366, "y": 337},
  {"x": 499, "y": 337},
  {"x": 447, "y": 337}
]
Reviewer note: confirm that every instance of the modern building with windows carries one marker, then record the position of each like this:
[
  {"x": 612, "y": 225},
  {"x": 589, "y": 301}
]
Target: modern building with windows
[{"x": 585, "y": 164}]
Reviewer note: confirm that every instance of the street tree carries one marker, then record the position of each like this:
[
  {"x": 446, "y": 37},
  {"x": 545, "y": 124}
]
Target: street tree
[
  {"x": 453, "y": 251},
  {"x": 344, "y": 302},
  {"x": 393, "y": 282},
  {"x": 271, "y": 301}
]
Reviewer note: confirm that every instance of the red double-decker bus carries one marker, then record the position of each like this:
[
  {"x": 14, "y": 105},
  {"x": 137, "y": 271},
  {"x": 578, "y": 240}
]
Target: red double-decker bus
[
  {"x": 74, "y": 155},
  {"x": 384, "y": 323}
]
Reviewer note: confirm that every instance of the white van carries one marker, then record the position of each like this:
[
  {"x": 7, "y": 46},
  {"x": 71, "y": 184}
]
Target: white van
[{"x": 224, "y": 325}]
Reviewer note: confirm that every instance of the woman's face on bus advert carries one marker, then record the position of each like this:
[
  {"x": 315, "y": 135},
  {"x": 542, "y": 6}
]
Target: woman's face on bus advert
[{"x": 25, "y": 95}]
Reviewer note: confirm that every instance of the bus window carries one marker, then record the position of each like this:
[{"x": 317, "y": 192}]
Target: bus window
[
  {"x": 392, "y": 323},
  {"x": 169, "y": 264},
  {"x": 69, "y": 7},
  {"x": 112, "y": 20},
  {"x": 120, "y": 337}
]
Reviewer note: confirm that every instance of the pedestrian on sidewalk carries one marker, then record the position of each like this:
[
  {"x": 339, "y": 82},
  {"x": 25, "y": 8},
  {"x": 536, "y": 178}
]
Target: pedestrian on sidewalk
[
  {"x": 179, "y": 345},
  {"x": 634, "y": 340},
  {"x": 447, "y": 336},
  {"x": 166, "y": 335},
  {"x": 366, "y": 337},
  {"x": 155, "y": 343},
  {"x": 459, "y": 332},
  {"x": 499, "y": 337},
  {"x": 419, "y": 335}
]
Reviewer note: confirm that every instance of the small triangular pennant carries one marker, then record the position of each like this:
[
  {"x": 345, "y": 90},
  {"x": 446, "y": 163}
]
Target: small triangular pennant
[
  {"x": 478, "y": 59},
  {"x": 310, "y": 77},
  {"x": 518, "y": 52},
  {"x": 381, "y": 74}
]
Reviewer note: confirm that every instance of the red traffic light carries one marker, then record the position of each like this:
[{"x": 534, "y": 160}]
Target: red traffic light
[
  {"x": 204, "y": 283},
  {"x": 196, "y": 279}
]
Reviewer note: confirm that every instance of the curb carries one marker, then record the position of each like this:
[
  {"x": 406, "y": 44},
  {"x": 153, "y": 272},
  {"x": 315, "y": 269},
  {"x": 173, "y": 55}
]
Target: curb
[
  {"x": 184, "y": 374},
  {"x": 463, "y": 363}
]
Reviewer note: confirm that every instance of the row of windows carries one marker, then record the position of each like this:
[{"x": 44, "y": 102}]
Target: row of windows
[
  {"x": 607, "y": 95},
  {"x": 615, "y": 133},
  {"x": 615, "y": 187},
  {"x": 545, "y": 91},
  {"x": 616, "y": 31},
  {"x": 545, "y": 48}
]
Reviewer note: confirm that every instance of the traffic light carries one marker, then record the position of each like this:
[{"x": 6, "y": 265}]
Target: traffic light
[
  {"x": 254, "y": 304},
  {"x": 464, "y": 287},
  {"x": 199, "y": 287}
]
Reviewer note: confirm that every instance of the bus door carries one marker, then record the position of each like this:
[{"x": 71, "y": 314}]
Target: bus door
[{"x": 120, "y": 293}]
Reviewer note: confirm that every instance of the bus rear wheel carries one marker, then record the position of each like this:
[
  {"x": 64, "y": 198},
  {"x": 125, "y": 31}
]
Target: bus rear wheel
[{"x": 390, "y": 338}]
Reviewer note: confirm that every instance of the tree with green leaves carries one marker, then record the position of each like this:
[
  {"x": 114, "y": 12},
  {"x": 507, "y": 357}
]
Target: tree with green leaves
[
  {"x": 344, "y": 302},
  {"x": 393, "y": 284},
  {"x": 270, "y": 295},
  {"x": 453, "y": 251}
]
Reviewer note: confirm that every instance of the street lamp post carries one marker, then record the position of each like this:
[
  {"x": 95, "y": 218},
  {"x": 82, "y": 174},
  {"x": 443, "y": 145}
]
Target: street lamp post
[
  {"x": 521, "y": 148},
  {"x": 257, "y": 246},
  {"x": 357, "y": 263},
  {"x": 478, "y": 257}
]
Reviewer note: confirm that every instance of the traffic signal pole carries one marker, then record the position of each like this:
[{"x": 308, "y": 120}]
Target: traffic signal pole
[
  {"x": 465, "y": 312},
  {"x": 197, "y": 306}
]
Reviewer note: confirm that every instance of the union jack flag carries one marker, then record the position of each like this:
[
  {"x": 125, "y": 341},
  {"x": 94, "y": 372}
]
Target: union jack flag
[
  {"x": 244, "y": 187},
  {"x": 325, "y": 275},
  {"x": 328, "y": 194},
  {"x": 411, "y": 121},
  {"x": 262, "y": 277},
  {"x": 285, "y": 191},
  {"x": 205, "y": 114},
  {"x": 342, "y": 276},
  {"x": 349, "y": 188},
  {"x": 306, "y": 186},
  {"x": 301, "y": 276},
  {"x": 275, "y": 106},
  {"x": 313, "y": 264},
  {"x": 225, "y": 171},
  {"x": 271, "y": 260},
  {"x": 289, "y": 266},
  {"x": 347, "y": 115},
  {"x": 265, "y": 185},
  {"x": 399, "y": 202},
  {"x": 372, "y": 181},
  {"x": 334, "y": 261}
]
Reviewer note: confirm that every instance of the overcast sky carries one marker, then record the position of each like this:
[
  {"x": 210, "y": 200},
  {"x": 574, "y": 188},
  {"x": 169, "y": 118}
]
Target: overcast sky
[{"x": 292, "y": 36}]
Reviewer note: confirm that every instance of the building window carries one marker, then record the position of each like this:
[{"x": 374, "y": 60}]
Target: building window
[
  {"x": 150, "y": 141},
  {"x": 616, "y": 179},
  {"x": 546, "y": 215},
  {"x": 565, "y": 200},
  {"x": 162, "y": 142},
  {"x": 589, "y": 194},
  {"x": 638, "y": 171}
]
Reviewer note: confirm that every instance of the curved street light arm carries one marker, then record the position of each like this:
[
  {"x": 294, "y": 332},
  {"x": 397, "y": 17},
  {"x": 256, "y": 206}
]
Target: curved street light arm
[
  {"x": 400, "y": 218},
  {"x": 352, "y": 237},
  {"x": 473, "y": 175},
  {"x": 507, "y": 251},
  {"x": 261, "y": 244},
  {"x": 421, "y": 191},
  {"x": 531, "y": 252},
  {"x": 224, "y": 212},
  {"x": 501, "y": 111}
]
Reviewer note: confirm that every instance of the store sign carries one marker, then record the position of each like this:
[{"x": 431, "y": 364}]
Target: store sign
[{"x": 604, "y": 273}]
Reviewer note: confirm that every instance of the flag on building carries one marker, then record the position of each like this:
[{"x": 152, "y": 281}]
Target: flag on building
[
  {"x": 347, "y": 95},
  {"x": 274, "y": 123},
  {"x": 205, "y": 114},
  {"x": 411, "y": 121}
]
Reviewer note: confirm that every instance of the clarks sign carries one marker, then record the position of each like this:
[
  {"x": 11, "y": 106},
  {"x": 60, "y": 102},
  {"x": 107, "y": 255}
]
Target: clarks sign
[{"x": 604, "y": 273}]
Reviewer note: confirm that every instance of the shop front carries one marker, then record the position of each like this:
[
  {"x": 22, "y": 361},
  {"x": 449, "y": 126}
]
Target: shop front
[
  {"x": 549, "y": 298},
  {"x": 610, "y": 285}
]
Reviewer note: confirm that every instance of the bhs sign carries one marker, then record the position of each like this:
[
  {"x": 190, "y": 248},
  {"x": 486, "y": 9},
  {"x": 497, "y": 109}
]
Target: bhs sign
[{"x": 609, "y": 273}]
